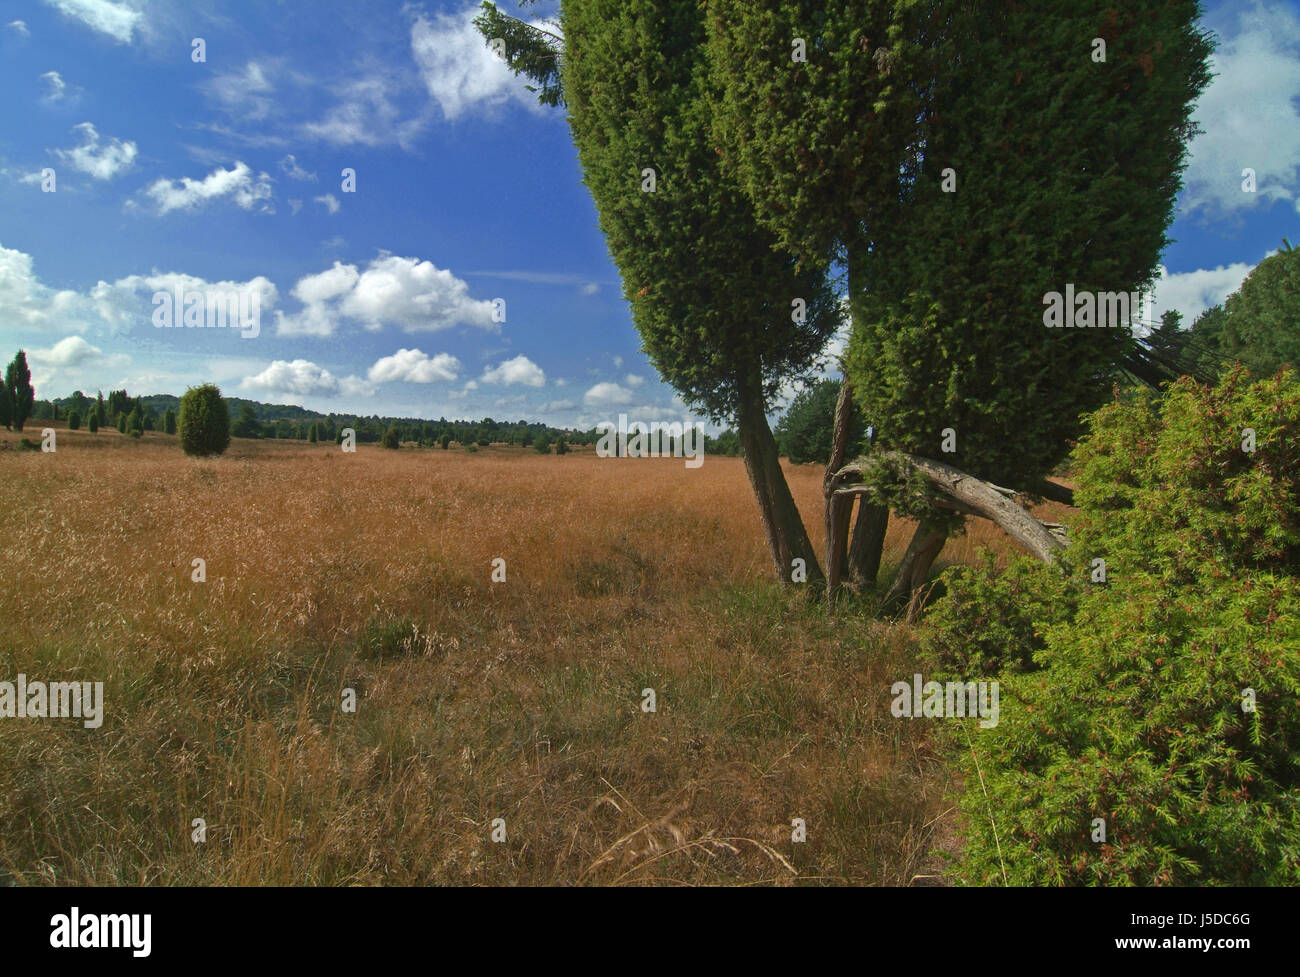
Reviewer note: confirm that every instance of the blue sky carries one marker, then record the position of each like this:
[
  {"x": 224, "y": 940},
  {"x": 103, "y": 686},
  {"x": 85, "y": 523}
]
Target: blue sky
[{"x": 227, "y": 173}]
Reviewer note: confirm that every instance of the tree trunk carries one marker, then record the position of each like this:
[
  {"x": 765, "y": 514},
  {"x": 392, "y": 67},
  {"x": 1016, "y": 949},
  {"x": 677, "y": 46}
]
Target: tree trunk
[
  {"x": 839, "y": 509},
  {"x": 868, "y": 541},
  {"x": 787, "y": 539},
  {"x": 1055, "y": 492},
  {"x": 909, "y": 581}
]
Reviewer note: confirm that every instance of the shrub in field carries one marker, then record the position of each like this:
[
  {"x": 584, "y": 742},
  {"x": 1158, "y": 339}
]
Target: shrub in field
[
  {"x": 390, "y": 439},
  {"x": 169, "y": 421},
  {"x": 561, "y": 447},
  {"x": 93, "y": 425},
  {"x": 121, "y": 422},
  {"x": 74, "y": 420},
  {"x": 1165, "y": 708},
  {"x": 445, "y": 441},
  {"x": 542, "y": 444},
  {"x": 204, "y": 422}
]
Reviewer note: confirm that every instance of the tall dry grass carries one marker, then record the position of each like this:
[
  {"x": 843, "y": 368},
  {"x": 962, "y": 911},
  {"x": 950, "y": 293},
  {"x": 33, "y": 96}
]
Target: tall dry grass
[{"x": 477, "y": 700}]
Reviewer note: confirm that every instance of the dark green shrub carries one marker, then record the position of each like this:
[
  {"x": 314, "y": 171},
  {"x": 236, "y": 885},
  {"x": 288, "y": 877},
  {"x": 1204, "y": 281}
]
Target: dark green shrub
[
  {"x": 1167, "y": 703},
  {"x": 121, "y": 422},
  {"x": 169, "y": 421},
  {"x": 203, "y": 422},
  {"x": 561, "y": 448},
  {"x": 989, "y": 621},
  {"x": 445, "y": 441},
  {"x": 93, "y": 425},
  {"x": 542, "y": 444},
  {"x": 390, "y": 439},
  {"x": 74, "y": 420}
]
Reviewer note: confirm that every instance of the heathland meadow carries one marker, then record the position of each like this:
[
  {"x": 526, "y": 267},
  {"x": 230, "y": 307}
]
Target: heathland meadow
[{"x": 347, "y": 696}]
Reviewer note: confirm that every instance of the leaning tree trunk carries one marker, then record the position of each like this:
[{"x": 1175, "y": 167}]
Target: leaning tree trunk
[
  {"x": 956, "y": 490},
  {"x": 909, "y": 581},
  {"x": 787, "y": 539}
]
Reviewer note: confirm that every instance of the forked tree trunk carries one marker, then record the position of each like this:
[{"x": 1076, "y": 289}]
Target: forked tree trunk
[
  {"x": 787, "y": 539},
  {"x": 862, "y": 559}
]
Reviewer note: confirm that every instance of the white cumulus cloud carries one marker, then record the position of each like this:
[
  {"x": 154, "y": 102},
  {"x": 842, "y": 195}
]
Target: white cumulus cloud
[
  {"x": 414, "y": 366},
  {"x": 608, "y": 395},
  {"x": 1192, "y": 292},
  {"x": 69, "y": 352},
  {"x": 1250, "y": 116},
  {"x": 303, "y": 378},
  {"x": 409, "y": 293},
  {"x": 518, "y": 370}
]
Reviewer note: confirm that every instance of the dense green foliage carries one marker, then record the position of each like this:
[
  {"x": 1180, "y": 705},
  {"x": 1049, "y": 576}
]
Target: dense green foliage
[
  {"x": 542, "y": 444},
  {"x": 1165, "y": 700},
  {"x": 1259, "y": 325},
  {"x": 203, "y": 422},
  {"x": 391, "y": 439},
  {"x": 948, "y": 329},
  {"x": 991, "y": 621},
  {"x": 818, "y": 144},
  {"x": 710, "y": 294},
  {"x": 74, "y": 420}
]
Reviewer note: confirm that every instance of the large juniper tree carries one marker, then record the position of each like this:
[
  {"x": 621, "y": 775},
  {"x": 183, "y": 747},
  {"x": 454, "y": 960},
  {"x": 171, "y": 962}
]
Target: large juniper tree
[
  {"x": 1034, "y": 163},
  {"x": 724, "y": 316}
]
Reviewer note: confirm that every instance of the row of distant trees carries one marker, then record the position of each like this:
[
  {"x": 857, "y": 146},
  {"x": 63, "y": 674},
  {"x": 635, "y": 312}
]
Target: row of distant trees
[{"x": 246, "y": 419}]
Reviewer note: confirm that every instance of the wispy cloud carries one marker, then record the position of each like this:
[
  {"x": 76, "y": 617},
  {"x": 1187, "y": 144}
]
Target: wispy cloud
[
  {"x": 102, "y": 160},
  {"x": 289, "y": 166},
  {"x": 239, "y": 184},
  {"x": 118, "y": 20},
  {"x": 459, "y": 70}
]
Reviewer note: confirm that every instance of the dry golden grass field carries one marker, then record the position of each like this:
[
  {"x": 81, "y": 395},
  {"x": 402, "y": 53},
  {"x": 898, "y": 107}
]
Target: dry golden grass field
[{"x": 475, "y": 700}]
